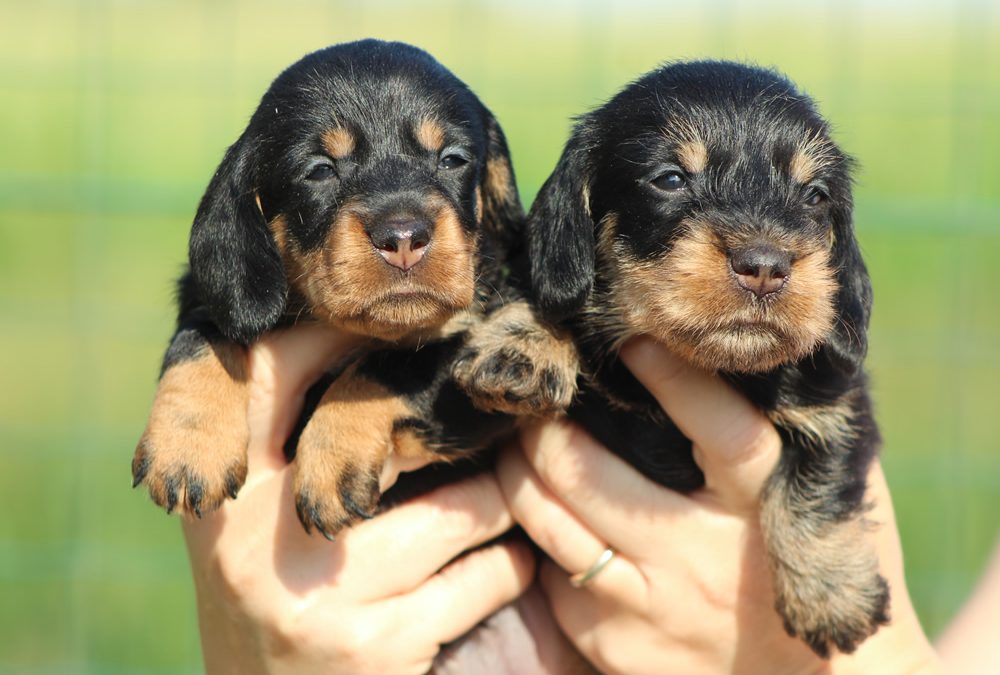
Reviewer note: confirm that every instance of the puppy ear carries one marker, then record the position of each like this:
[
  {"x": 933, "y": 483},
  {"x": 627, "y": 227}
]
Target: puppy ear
[
  {"x": 234, "y": 261},
  {"x": 561, "y": 237},
  {"x": 848, "y": 343},
  {"x": 503, "y": 215}
]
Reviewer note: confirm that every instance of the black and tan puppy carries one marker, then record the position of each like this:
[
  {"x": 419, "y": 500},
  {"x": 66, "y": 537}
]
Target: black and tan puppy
[
  {"x": 373, "y": 191},
  {"x": 707, "y": 206}
]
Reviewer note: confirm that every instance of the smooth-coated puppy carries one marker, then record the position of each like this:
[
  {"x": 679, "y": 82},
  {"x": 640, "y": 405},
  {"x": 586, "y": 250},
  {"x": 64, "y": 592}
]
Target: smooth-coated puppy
[{"x": 706, "y": 205}]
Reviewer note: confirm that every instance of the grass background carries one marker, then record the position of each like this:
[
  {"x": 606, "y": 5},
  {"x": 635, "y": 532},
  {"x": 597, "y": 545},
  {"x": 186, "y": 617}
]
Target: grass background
[{"x": 114, "y": 114}]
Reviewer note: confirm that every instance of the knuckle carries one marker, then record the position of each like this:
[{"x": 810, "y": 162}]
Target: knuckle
[
  {"x": 752, "y": 438},
  {"x": 359, "y": 638},
  {"x": 546, "y": 528},
  {"x": 452, "y": 513},
  {"x": 568, "y": 469}
]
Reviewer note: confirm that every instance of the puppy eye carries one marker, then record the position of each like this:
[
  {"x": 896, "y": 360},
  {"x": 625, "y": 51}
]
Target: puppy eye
[
  {"x": 322, "y": 171},
  {"x": 814, "y": 196},
  {"x": 671, "y": 181},
  {"x": 452, "y": 160}
]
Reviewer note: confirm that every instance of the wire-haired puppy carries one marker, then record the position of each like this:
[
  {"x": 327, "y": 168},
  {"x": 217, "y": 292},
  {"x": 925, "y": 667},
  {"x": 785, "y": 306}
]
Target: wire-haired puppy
[
  {"x": 373, "y": 191},
  {"x": 707, "y": 206}
]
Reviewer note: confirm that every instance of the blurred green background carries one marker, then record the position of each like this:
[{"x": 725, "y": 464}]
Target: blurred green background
[{"x": 114, "y": 114}]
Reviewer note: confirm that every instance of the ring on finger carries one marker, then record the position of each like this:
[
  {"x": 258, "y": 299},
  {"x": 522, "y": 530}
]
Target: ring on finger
[{"x": 581, "y": 579}]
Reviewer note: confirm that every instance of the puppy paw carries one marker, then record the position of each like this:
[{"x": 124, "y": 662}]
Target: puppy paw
[
  {"x": 830, "y": 611},
  {"x": 512, "y": 363},
  {"x": 330, "y": 496},
  {"x": 827, "y": 586},
  {"x": 192, "y": 455},
  {"x": 343, "y": 448}
]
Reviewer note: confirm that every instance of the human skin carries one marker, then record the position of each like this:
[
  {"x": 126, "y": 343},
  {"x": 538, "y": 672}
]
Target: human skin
[
  {"x": 689, "y": 588},
  {"x": 272, "y": 599},
  {"x": 687, "y": 592},
  {"x": 969, "y": 645}
]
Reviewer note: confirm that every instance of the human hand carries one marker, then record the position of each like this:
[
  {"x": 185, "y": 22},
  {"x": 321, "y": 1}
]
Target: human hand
[
  {"x": 689, "y": 589},
  {"x": 383, "y": 597}
]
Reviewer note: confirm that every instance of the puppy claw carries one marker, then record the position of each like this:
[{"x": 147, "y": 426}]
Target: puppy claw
[
  {"x": 140, "y": 467},
  {"x": 183, "y": 484},
  {"x": 323, "y": 517},
  {"x": 171, "y": 488},
  {"x": 358, "y": 511},
  {"x": 233, "y": 485}
]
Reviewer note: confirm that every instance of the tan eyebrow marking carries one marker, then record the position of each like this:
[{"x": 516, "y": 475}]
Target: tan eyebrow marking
[
  {"x": 339, "y": 142},
  {"x": 430, "y": 134},
  {"x": 810, "y": 158},
  {"x": 693, "y": 156}
]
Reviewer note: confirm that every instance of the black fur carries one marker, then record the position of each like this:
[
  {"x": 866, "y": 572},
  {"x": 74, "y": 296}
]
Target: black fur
[
  {"x": 752, "y": 122},
  {"x": 276, "y": 199}
]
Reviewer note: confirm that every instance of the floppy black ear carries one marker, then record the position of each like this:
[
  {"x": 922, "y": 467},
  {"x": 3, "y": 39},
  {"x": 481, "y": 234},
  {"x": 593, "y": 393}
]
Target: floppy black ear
[
  {"x": 561, "y": 237},
  {"x": 234, "y": 261},
  {"x": 848, "y": 343},
  {"x": 503, "y": 215}
]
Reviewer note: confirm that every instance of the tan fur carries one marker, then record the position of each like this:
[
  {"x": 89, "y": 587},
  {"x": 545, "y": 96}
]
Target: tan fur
[
  {"x": 497, "y": 180},
  {"x": 496, "y": 197},
  {"x": 828, "y": 424},
  {"x": 479, "y": 203},
  {"x": 693, "y": 156},
  {"x": 197, "y": 430},
  {"x": 430, "y": 134},
  {"x": 585, "y": 198},
  {"x": 348, "y": 284},
  {"x": 339, "y": 142},
  {"x": 689, "y": 300},
  {"x": 814, "y": 154},
  {"x": 825, "y": 574},
  {"x": 681, "y": 130},
  {"x": 540, "y": 365},
  {"x": 344, "y": 446},
  {"x": 279, "y": 230}
]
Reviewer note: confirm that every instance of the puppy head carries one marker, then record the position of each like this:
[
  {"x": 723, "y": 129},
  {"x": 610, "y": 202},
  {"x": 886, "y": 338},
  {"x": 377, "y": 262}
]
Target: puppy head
[
  {"x": 363, "y": 187},
  {"x": 714, "y": 211}
]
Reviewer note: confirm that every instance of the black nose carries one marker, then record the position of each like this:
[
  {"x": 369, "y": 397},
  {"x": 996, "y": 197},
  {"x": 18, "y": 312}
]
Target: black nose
[
  {"x": 762, "y": 269},
  {"x": 401, "y": 242}
]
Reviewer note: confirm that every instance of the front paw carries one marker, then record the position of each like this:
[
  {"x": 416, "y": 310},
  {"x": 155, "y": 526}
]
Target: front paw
[
  {"x": 512, "y": 363},
  {"x": 193, "y": 453},
  {"x": 827, "y": 586},
  {"x": 343, "y": 448},
  {"x": 835, "y": 612},
  {"x": 333, "y": 492}
]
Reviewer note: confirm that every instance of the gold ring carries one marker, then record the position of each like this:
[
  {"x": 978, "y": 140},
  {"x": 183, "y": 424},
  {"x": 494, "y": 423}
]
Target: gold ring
[{"x": 581, "y": 579}]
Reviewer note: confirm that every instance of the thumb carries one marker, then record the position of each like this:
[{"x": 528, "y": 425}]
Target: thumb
[
  {"x": 735, "y": 445},
  {"x": 283, "y": 365}
]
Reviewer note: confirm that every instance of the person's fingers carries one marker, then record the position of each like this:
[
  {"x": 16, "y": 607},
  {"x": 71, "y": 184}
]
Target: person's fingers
[
  {"x": 617, "y": 503},
  {"x": 579, "y": 615},
  {"x": 465, "y": 592},
  {"x": 558, "y": 532},
  {"x": 408, "y": 544},
  {"x": 735, "y": 444},
  {"x": 283, "y": 364}
]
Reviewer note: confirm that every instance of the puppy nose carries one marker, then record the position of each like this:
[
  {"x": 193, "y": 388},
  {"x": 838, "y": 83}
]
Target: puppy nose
[
  {"x": 401, "y": 242},
  {"x": 762, "y": 269}
]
